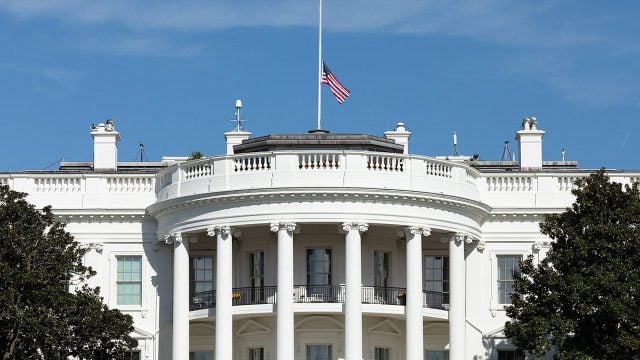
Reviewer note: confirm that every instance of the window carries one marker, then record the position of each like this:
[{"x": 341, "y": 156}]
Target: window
[
  {"x": 201, "y": 355},
  {"x": 382, "y": 353},
  {"x": 380, "y": 269},
  {"x": 319, "y": 352},
  {"x": 436, "y": 355},
  {"x": 201, "y": 280},
  {"x": 256, "y": 354},
  {"x": 508, "y": 268},
  {"x": 510, "y": 355},
  {"x": 256, "y": 274},
  {"x": 436, "y": 280},
  {"x": 318, "y": 267},
  {"x": 129, "y": 280},
  {"x": 133, "y": 355}
]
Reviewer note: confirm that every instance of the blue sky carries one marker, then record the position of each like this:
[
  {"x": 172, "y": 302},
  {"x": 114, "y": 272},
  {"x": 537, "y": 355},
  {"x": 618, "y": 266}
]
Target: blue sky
[{"x": 168, "y": 73}]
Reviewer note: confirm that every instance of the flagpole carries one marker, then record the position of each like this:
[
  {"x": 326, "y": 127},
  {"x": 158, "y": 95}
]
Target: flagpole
[{"x": 320, "y": 68}]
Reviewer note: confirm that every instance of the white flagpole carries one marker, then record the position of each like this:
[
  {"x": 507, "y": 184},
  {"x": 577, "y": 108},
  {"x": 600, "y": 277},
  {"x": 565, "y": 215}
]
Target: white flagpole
[{"x": 320, "y": 68}]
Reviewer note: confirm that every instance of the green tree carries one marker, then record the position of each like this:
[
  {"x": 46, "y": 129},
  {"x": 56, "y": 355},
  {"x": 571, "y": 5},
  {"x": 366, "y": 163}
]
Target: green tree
[
  {"x": 195, "y": 155},
  {"x": 39, "y": 317},
  {"x": 583, "y": 300}
]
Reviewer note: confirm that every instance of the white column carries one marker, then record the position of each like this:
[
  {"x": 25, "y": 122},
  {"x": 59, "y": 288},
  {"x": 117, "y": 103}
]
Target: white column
[
  {"x": 353, "y": 295},
  {"x": 457, "y": 297},
  {"x": 284, "y": 304},
  {"x": 180, "y": 345},
  {"x": 224, "y": 292},
  {"x": 413, "y": 305}
]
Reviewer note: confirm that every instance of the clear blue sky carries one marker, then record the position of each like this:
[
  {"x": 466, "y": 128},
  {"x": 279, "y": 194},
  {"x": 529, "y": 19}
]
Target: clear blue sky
[{"x": 168, "y": 73}]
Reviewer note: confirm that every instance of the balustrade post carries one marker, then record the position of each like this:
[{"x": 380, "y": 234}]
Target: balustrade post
[{"x": 353, "y": 296}]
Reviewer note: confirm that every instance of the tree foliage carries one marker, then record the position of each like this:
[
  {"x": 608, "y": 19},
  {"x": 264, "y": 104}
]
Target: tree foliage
[
  {"x": 39, "y": 317},
  {"x": 195, "y": 155},
  {"x": 583, "y": 300}
]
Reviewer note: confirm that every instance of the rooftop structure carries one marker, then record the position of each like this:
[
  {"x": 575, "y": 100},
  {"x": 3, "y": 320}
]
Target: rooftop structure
[{"x": 310, "y": 246}]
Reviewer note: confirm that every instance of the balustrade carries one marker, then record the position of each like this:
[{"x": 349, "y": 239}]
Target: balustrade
[
  {"x": 567, "y": 183},
  {"x": 510, "y": 183},
  {"x": 252, "y": 163},
  {"x": 130, "y": 184},
  {"x": 319, "y": 161},
  {"x": 319, "y": 294},
  {"x": 198, "y": 170},
  {"x": 438, "y": 169},
  {"x": 385, "y": 162},
  {"x": 57, "y": 185}
]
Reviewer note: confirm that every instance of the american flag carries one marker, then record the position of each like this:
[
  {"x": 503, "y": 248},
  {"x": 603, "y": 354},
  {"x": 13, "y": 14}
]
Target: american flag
[{"x": 339, "y": 91}]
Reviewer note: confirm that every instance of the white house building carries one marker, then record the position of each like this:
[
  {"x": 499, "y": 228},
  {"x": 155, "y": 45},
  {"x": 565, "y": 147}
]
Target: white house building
[{"x": 316, "y": 246}]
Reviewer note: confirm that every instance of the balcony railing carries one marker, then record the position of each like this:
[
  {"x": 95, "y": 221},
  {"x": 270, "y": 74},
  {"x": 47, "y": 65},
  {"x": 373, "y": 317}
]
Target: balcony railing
[{"x": 320, "y": 294}]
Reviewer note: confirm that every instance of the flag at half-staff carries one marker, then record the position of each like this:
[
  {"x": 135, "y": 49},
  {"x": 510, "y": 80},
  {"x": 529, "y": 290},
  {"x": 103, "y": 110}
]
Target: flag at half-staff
[{"x": 339, "y": 91}]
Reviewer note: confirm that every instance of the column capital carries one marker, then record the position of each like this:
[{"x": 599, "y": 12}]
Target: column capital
[
  {"x": 223, "y": 230},
  {"x": 173, "y": 238},
  {"x": 355, "y": 225},
  {"x": 462, "y": 237},
  {"x": 283, "y": 225},
  {"x": 415, "y": 230}
]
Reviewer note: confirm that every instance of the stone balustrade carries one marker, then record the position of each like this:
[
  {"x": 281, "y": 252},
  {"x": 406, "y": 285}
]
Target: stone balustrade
[
  {"x": 317, "y": 169},
  {"x": 311, "y": 169}
]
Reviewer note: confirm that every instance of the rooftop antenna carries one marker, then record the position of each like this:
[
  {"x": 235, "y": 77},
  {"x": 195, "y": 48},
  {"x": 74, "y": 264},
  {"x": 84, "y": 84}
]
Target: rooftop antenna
[
  {"x": 238, "y": 119},
  {"x": 455, "y": 144},
  {"x": 562, "y": 152},
  {"x": 506, "y": 152},
  {"x": 141, "y": 154}
]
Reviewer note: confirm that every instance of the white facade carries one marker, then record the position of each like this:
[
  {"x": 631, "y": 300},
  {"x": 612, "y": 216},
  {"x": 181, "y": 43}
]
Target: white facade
[{"x": 330, "y": 252}]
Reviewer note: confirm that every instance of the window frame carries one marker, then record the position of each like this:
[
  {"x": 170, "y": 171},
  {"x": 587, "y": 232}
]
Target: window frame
[
  {"x": 499, "y": 281},
  {"x": 331, "y": 265},
  {"x": 387, "y": 276},
  {"x": 510, "y": 350},
  {"x": 113, "y": 297},
  {"x": 445, "y": 353},
  {"x": 192, "y": 280},
  {"x": 330, "y": 345},
  {"x": 446, "y": 275},
  {"x": 523, "y": 250},
  {"x": 257, "y": 292}
]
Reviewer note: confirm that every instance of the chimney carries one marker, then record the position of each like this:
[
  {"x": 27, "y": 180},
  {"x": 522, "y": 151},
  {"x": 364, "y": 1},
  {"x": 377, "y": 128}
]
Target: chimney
[
  {"x": 238, "y": 134},
  {"x": 530, "y": 144},
  {"x": 105, "y": 146},
  {"x": 235, "y": 138},
  {"x": 400, "y": 136}
]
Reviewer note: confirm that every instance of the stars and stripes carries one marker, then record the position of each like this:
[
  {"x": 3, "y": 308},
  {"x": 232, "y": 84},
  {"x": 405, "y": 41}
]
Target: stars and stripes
[{"x": 339, "y": 91}]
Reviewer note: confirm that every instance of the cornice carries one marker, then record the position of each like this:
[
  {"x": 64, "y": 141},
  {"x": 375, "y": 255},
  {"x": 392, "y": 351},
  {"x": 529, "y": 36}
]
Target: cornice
[
  {"x": 521, "y": 214},
  {"x": 102, "y": 216},
  {"x": 474, "y": 209}
]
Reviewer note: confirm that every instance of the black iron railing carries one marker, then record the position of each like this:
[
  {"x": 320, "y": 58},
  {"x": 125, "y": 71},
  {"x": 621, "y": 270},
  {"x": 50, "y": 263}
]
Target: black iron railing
[
  {"x": 239, "y": 296},
  {"x": 383, "y": 295},
  {"x": 254, "y": 295},
  {"x": 320, "y": 294},
  {"x": 203, "y": 300},
  {"x": 435, "y": 299}
]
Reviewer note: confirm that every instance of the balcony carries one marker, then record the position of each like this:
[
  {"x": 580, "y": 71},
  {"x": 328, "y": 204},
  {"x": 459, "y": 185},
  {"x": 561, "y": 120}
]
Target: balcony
[
  {"x": 322, "y": 169},
  {"x": 320, "y": 294}
]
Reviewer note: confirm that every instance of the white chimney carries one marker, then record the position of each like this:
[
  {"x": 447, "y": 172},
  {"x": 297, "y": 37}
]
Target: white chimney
[
  {"x": 400, "y": 136},
  {"x": 235, "y": 138},
  {"x": 530, "y": 144},
  {"x": 105, "y": 146}
]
